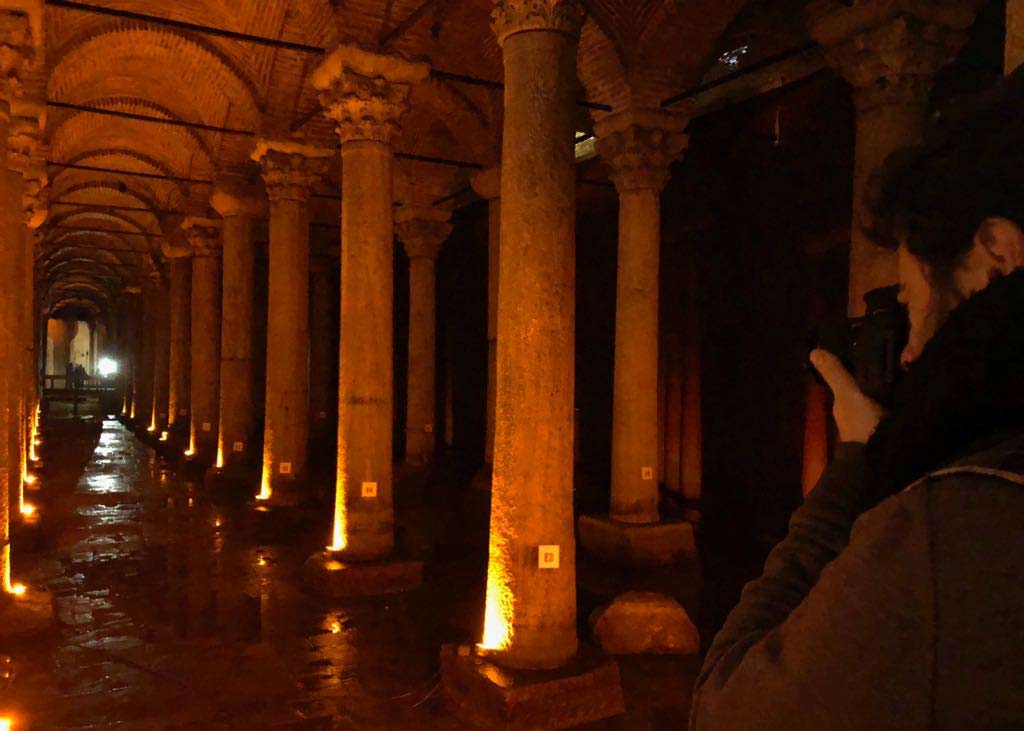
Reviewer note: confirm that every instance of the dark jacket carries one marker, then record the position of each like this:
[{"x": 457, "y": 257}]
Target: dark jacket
[{"x": 896, "y": 601}]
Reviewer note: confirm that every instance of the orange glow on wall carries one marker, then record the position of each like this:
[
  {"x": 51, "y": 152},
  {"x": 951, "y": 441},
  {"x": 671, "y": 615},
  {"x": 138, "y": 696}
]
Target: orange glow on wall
[
  {"x": 5, "y": 580},
  {"x": 339, "y": 534},
  {"x": 265, "y": 492},
  {"x": 498, "y": 608},
  {"x": 815, "y": 436},
  {"x": 28, "y": 509}
]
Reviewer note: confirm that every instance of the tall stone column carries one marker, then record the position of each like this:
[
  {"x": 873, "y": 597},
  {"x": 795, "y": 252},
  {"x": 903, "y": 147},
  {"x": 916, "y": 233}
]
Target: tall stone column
[
  {"x": 639, "y": 146},
  {"x": 14, "y": 261},
  {"x": 289, "y": 171},
  {"x": 1014, "y": 35},
  {"x": 34, "y": 212},
  {"x": 204, "y": 236},
  {"x": 180, "y": 275},
  {"x": 366, "y": 94},
  {"x": 890, "y": 53},
  {"x": 423, "y": 231},
  {"x": 237, "y": 205},
  {"x": 161, "y": 356},
  {"x": 487, "y": 185},
  {"x": 323, "y": 384},
  {"x": 530, "y": 614},
  {"x": 144, "y": 371}
]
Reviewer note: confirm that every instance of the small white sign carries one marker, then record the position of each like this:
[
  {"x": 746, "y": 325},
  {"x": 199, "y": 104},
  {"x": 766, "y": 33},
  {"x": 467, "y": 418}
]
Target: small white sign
[
  {"x": 238, "y": 446},
  {"x": 428, "y": 428},
  {"x": 646, "y": 473},
  {"x": 547, "y": 557},
  {"x": 207, "y": 426},
  {"x": 284, "y": 468},
  {"x": 369, "y": 489},
  {"x": 182, "y": 412}
]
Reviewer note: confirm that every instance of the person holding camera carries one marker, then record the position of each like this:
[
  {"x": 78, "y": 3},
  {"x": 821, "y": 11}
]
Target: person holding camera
[{"x": 896, "y": 600}]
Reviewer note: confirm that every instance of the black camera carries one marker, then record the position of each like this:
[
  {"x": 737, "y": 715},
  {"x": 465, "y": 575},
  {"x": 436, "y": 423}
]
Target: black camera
[{"x": 870, "y": 346}]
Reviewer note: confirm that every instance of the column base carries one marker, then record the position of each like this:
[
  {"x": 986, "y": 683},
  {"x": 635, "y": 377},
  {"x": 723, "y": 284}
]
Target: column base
[
  {"x": 231, "y": 479},
  {"x": 327, "y": 575},
  {"x": 483, "y": 693},
  {"x": 285, "y": 493},
  {"x": 657, "y": 544},
  {"x": 27, "y": 616}
]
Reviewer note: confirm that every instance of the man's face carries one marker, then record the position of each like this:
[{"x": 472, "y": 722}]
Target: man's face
[{"x": 924, "y": 304}]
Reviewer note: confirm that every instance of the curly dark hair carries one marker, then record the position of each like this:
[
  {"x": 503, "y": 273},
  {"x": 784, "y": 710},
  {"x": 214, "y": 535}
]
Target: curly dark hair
[{"x": 936, "y": 195}]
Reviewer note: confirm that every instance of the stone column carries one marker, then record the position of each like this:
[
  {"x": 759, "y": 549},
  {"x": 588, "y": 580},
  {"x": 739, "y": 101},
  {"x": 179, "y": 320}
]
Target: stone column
[
  {"x": 639, "y": 147},
  {"x": 34, "y": 213},
  {"x": 487, "y": 185},
  {"x": 237, "y": 205},
  {"x": 530, "y": 613},
  {"x": 180, "y": 292},
  {"x": 161, "y": 357},
  {"x": 289, "y": 171},
  {"x": 423, "y": 231},
  {"x": 20, "y": 35},
  {"x": 323, "y": 395},
  {"x": 13, "y": 262},
  {"x": 890, "y": 53},
  {"x": 1014, "y": 35},
  {"x": 144, "y": 371},
  {"x": 366, "y": 94},
  {"x": 204, "y": 235}
]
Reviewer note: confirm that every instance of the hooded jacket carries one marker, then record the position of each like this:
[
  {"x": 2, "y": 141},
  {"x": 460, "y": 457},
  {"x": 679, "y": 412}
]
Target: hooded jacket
[{"x": 896, "y": 601}]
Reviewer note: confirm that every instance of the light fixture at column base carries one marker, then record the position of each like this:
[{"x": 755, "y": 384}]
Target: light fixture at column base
[
  {"x": 483, "y": 693},
  {"x": 325, "y": 573},
  {"x": 26, "y": 616},
  {"x": 656, "y": 544}
]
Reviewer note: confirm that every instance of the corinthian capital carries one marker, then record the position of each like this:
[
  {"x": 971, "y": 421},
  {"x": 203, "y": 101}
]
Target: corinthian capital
[
  {"x": 639, "y": 146},
  {"x": 26, "y": 130},
  {"x": 890, "y": 50},
  {"x": 20, "y": 36},
  {"x": 35, "y": 199},
  {"x": 516, "y": 16},
  {"x": 366, "y": 93},
  {"x": 203, "y": 235},
  {"x": 291, "y": 169},
  {"x": 423, "y": 230}
]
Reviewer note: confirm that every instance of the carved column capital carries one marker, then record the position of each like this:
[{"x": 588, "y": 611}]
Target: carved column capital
[
  {"x": 890, "y": 50},
  {"x": 35, "y": 199},
  {"x": 517, "y": 16},
  {"x": 422, "y": 230},
  {"x": 639, "y": 146},
  {"x": 203, "y": 235},
  {"x": 236, "y": 197},
  {"x": 366, "y": 93},
  {"x": 20, "y": 36},
  {"x": 291, "y": 169}
]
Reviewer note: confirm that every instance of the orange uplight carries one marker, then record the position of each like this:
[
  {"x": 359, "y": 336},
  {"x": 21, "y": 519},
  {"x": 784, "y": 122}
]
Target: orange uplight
[
  {"x": 339, "y": 534},
  {"x": 265, "y": 492},
  {"x": 6, "y": 723},
  {"x": 189, "y": 452},
  {"x": 18, "y": 589},
  {"x": 29, "y": 479},
  {"x": 498, "y": 608},
  {"x": 261, "y": 561},
  {"x": 163, "y": 436},
  {"x": 28, "y": 509},
  {"x": 335, "y": 629}
]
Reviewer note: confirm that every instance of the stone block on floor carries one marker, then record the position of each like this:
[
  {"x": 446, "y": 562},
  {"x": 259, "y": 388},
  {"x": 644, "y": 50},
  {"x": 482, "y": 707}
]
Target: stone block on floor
[
  {"x": 645, "y": 622},
  {"x": 484, "y": 694},
  {"x": 327, "y": 575},
  {"x": 656, "y": 544}
]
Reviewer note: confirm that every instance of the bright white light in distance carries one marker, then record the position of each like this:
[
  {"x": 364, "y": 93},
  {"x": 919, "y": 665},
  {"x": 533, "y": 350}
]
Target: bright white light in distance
[{"x": 107, "y": 367}]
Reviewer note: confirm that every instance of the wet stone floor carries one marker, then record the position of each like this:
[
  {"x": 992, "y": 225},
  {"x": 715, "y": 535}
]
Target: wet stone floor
[{"x": 176, "y": 613}]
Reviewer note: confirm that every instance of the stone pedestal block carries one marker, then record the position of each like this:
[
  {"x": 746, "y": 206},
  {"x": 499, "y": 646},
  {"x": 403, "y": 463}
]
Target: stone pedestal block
[
  {"x": 234, "y": 479},
  {"x": 27, "y": 616},
  {"x": 325, "y": 574},
  {"x": 645, "y": 622},
  {"x": 642, "y": 543},
  {"x": 489, "y": 696}
]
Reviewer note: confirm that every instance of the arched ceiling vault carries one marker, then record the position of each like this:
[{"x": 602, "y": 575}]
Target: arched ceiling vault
[{"x": 104, "y": 229}]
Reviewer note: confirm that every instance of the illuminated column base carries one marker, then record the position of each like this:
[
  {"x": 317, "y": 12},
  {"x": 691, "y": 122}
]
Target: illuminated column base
[{"x": 336, "y": 578}]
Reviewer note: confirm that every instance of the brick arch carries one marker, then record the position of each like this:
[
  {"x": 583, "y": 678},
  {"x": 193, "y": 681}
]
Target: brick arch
[
  {"x": 106, "y": 192},
  {"x": 69, "y": 130},
  {"x": 166, "y": 194},
  {"x": 182, "y": 72}
]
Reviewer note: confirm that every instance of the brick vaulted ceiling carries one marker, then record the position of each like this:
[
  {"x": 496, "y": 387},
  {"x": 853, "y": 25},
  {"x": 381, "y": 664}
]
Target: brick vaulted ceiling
[{"x": 632, "y": 53}]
